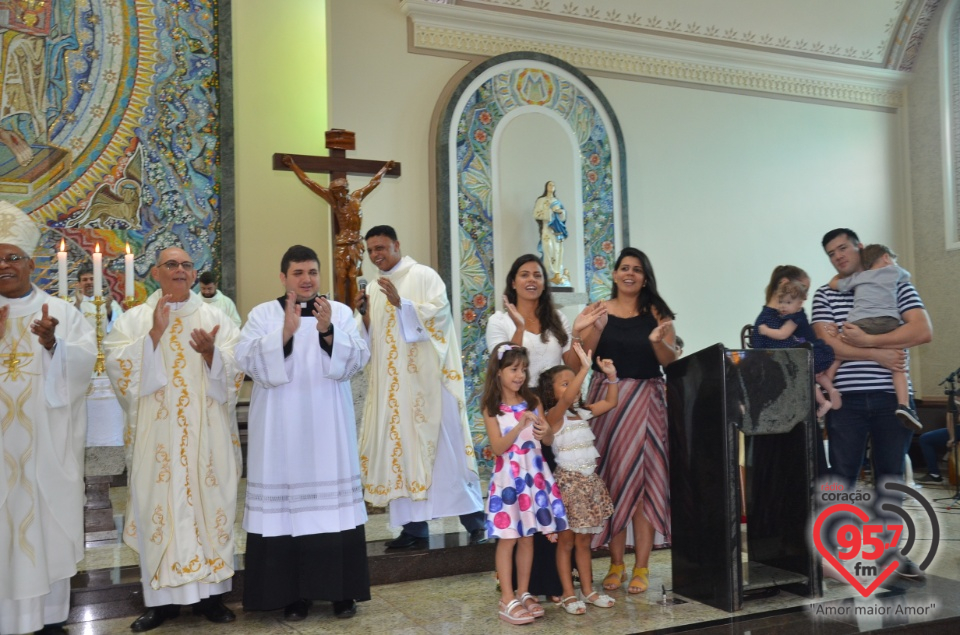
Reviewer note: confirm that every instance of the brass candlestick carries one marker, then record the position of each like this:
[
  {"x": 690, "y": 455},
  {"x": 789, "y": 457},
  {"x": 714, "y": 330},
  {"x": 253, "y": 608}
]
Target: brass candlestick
[{"x": 100, "y": 367}]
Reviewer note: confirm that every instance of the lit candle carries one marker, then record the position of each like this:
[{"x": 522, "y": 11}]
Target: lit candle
[
  {"x": 97, "y": 272},
  {"x": 62, "y": 270},
  {"x": 128, "y": 273}
]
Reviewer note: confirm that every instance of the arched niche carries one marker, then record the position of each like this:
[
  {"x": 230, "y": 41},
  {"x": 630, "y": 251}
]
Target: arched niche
[{"x": 483, "y": 215}]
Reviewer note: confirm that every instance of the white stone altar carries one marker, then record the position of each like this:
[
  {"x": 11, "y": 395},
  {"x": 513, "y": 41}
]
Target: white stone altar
[{"x": 104, "y": 454}]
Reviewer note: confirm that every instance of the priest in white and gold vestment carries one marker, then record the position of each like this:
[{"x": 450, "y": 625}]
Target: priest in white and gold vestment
[
  {"x": 171, "y": 363},
  {"x": 47, "y": 352},
  {"x": 416, "y": 454}
]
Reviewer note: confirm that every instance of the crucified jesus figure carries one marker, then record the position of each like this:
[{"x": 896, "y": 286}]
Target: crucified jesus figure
[{"x": 347, "y": 217}]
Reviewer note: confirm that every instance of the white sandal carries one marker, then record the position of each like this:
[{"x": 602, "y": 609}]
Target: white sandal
[
  {"x": 602, "y": 600},
  {"x": 511, "y": 615},
  {"x": 573, "y": 606},
  {"x": 535, "y": 609}
]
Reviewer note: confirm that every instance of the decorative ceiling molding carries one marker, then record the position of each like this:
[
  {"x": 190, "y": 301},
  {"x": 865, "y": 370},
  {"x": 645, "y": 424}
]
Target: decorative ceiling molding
[
  {"x": 469, "y": 32},
  {"x": 914, "y": 23},
  {"x": 859, "y": 32}
]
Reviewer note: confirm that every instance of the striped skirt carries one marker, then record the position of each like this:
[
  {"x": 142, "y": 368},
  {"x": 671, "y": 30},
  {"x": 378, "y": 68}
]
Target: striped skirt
[{"x": 634, "y": 455}]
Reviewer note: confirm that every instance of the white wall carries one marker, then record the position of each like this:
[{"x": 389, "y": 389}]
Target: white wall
[
  {"x": 280, "y": 94},
  {"x": 722, "y": 187},
  {"x": 387, "y": 97}
]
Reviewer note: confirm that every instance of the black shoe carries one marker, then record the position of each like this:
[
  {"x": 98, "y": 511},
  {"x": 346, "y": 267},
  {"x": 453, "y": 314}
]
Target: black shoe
[
  {"x": 296, "y": 611},
  {"x": 52, "y": 629},
  {"x": 406, "y": 541},
  {"x": 478, "y": 536},
  {"x": 909, "y": 418},
  {"x": 931, "y": 478},
  {"x": 345, "y": 608},
  {"x": 214, "y": 610},
  {"x": 911, "y": 571},
  {"x": 154, "y": 617}
]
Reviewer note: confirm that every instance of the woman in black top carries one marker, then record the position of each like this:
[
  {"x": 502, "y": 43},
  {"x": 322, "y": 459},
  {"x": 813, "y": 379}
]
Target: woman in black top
[{"x": 637, "y": 334}]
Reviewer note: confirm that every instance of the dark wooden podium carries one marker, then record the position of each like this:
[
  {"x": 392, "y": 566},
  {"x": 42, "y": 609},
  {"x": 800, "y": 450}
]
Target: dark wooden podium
[{"x": 768, "y": 395}]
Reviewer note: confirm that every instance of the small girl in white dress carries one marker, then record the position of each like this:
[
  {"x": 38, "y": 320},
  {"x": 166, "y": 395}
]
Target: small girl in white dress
[{"x": 585, "y": 497}]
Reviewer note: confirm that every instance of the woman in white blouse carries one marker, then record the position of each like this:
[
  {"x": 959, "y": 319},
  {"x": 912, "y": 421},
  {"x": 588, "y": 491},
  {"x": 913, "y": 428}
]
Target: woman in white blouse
[{"x": 530, "y": 319}]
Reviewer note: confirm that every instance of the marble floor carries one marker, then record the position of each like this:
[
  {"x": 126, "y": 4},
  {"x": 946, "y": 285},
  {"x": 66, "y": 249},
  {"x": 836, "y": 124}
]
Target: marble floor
[{"x": 468, "y": 603}]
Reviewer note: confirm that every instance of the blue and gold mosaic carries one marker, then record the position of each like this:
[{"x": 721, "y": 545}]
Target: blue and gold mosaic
[{"x": 484, "y": 109}]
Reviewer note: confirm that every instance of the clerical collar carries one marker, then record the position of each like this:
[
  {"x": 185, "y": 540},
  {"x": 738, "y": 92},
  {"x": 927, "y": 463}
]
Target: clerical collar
[{"x": 305, "y": 305}]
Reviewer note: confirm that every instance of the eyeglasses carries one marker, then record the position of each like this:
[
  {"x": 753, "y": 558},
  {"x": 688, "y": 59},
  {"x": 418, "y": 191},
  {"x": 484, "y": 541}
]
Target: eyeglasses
[
  {"x": 173, "y": 265},
  {"x": 13, "y": 259}
]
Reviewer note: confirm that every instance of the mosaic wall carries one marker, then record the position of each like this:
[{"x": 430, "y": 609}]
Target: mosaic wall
[
  {"x": 109, "y": 129},
  {"x": 477, "y": 124}
]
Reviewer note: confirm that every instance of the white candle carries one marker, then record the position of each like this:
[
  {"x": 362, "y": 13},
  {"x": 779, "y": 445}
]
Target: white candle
[
  {"x": 62, "y": 270},
  {"x": 97, "y": 271},
  {"x": 128, "y": 273}
]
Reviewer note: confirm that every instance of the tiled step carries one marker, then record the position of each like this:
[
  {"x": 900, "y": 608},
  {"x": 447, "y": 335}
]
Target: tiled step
[{"x": 108, "y": 593}]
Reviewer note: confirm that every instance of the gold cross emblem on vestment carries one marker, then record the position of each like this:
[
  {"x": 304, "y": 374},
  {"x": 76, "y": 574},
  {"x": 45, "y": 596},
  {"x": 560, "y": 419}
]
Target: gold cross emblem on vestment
[{"x": 13, "y": 363}]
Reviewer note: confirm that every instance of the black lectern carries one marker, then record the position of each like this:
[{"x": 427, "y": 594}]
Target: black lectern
[{"x": 768, "y": 395}]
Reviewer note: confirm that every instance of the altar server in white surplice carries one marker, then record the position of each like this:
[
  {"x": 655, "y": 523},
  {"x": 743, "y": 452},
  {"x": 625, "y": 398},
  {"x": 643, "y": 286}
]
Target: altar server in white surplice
[
  {"x": 83, "y": 300},
  {"x": 47, "y": 352},
  {"x": 304, "y": 513},
  {"x": 171, "y": 364},
  {"x": 415, "y": 447}
]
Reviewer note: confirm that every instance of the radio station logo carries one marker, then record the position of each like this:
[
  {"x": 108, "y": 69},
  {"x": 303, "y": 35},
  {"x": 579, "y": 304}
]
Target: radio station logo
[{"x": 867, "y": 550}]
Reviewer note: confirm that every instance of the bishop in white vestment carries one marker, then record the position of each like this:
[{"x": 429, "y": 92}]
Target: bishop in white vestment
[
  {"x": 47, "y": 352},
  {"x": 304, "y": 511},
  {"x": 416, "y": 454},
  {"x": 171, "y": 363}
]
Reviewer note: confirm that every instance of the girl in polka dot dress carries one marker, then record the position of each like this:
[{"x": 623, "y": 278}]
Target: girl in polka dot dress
[{"x": 524, "y": 498}]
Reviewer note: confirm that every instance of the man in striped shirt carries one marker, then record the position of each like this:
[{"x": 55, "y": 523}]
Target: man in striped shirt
[{"x": 865, "y": 379}]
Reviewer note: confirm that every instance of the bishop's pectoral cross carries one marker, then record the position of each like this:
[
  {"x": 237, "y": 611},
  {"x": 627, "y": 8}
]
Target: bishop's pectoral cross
[{"x": 348, "y": 241}]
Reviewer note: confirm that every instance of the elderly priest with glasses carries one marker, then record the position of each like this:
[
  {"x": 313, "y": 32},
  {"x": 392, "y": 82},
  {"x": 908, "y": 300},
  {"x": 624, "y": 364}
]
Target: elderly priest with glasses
[
  {"x": 47, "y": 351},
  {"x": 171, "y": 364}
]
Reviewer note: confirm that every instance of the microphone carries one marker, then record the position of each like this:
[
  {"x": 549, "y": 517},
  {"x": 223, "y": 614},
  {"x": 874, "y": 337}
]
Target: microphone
[{"x": 362, "y": 286}]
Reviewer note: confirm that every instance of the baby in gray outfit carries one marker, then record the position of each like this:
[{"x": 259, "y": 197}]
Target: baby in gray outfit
[{"x": 875, "y": 310}]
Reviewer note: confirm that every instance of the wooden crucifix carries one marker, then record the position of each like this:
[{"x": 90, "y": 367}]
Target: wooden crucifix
[{"x": 348, "y": 240}]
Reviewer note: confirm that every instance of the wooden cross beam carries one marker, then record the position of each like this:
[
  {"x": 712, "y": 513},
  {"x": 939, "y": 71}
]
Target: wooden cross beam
[
  {"x": 337, "y": 165},
  {"x": 348, "y": 242}
]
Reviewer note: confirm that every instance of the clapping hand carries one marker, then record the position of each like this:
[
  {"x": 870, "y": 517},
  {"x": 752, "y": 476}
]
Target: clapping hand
[
  {"x": 393, "y": 296},
  {"x": 590, "y": 316},
  {"x": 601, "y": 320},
  {"x": 44, "y": 328},
  {"x": 291, "y": 316},
  {"x": 607, "y": 368},
  {"x": 203, "y": 342},
  {"x": 663, "y": 333},
  {"x": 514, "y": 314},
  {"x": 323, "y": 312},
  {"x": 584, "y": 356},
  {"x": 161, "y": 319}
]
